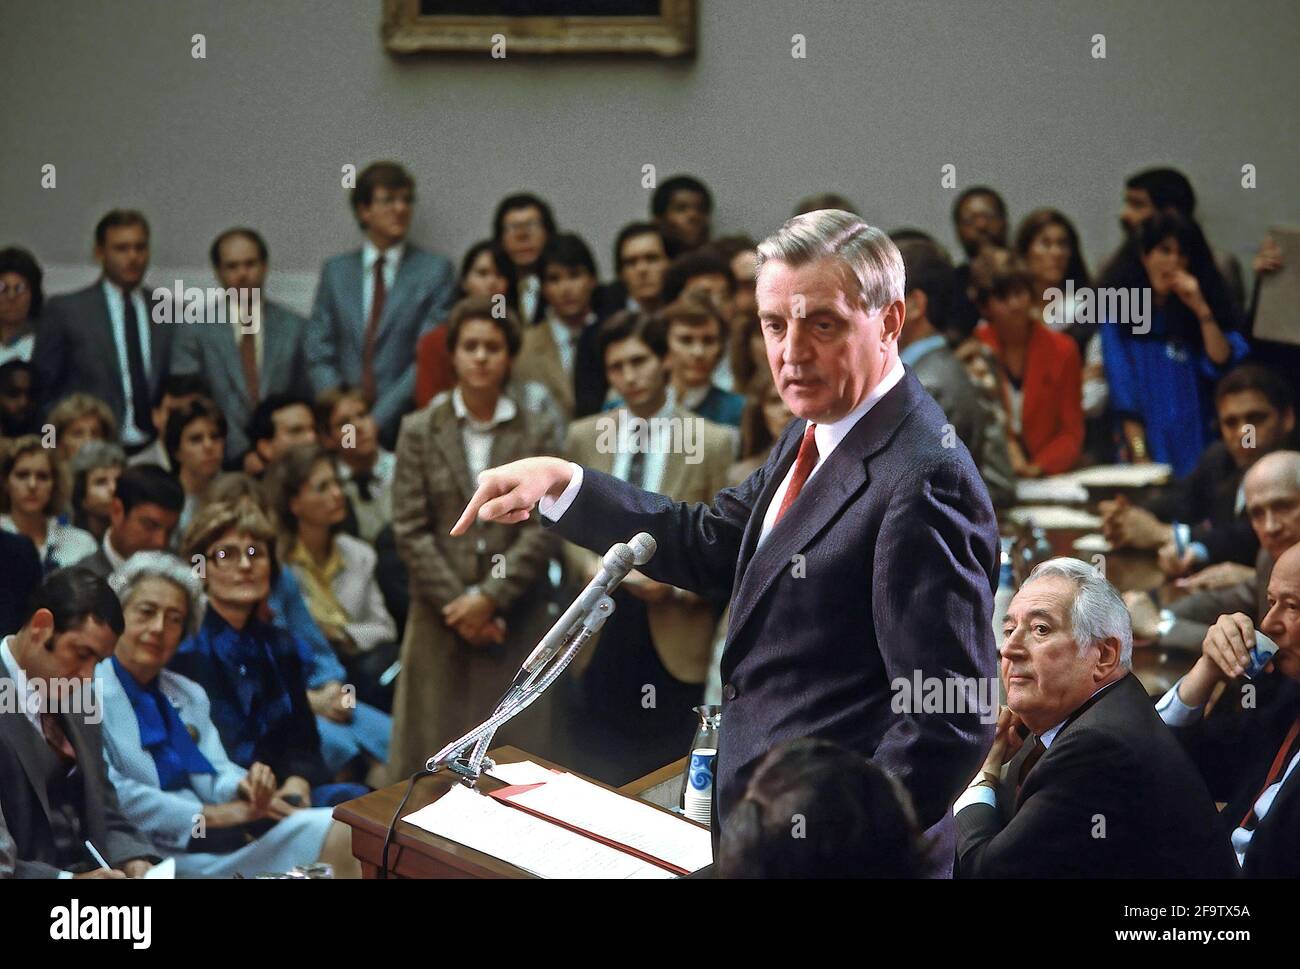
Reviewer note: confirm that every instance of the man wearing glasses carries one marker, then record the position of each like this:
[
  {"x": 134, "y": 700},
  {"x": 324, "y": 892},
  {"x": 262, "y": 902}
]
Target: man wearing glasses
[{"x": 374, "y": 303}]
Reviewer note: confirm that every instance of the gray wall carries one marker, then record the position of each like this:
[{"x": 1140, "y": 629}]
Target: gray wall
[{"x": 889, "y": 93}]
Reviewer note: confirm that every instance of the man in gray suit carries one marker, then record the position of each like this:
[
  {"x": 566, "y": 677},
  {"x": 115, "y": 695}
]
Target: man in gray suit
[
  {"x": 1272, "y": 497},
  {"x": 249, "y": 358},
  {"x": 373, "y": 304},
  {"x": 53, "y": 783},
  {"x": 100, "y": 340},
  {"x": 923, "y": 348}
]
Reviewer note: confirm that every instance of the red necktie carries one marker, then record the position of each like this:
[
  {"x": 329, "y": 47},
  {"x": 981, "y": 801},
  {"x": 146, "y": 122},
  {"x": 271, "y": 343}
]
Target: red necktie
[
  {"x": 57, "y": 738},
  {"x": 248, "y": 360},
  {"x": 1279, "y": 764},
  {"x": 369, "y": 386},
  {"x": 803, "y": 467}
]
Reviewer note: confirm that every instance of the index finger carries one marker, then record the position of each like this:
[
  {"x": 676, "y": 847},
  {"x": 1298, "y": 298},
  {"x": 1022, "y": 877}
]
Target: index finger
[{"x": 482, "y": 495}]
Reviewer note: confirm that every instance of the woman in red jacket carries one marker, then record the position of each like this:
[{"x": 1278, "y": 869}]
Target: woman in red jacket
[{"x": 1040, "y": 368}]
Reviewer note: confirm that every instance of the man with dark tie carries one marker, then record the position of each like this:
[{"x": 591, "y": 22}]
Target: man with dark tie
[
  {"x": 1248, "y": 747},
  {"x": 862, "y": 552},
  {"x": 101, "y": 340},
  {"x": 658, "y": 636},
  {"x": 53, "y": 783},
  {"x": 1102, "y": 790},
  {"x": 258, "y": 352},
  {"x": 373, "y": 304}
]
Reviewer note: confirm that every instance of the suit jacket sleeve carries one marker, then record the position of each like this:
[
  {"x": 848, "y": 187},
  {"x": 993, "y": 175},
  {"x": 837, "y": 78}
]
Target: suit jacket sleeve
[
  {"x": 1194, "y": 614},
  {"x": 51, "y": 353},
  {"x": 186, "y": 355},
  {"x": 322, "y": 337},
  {"x": 698, "y": 545},
  {"x": 1054, "y": 826},
  {"x": 413, "y": 527},
  {"x": 167, "y": 817},
  {"x": 932, "y": 596},
  {"x": 395, "y": 399},
  {"x": 373, "y": 624}
]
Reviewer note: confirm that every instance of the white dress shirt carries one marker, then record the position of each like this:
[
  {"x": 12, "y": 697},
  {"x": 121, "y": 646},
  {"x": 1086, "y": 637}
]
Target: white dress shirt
[
  {"x": 131, "y": 435},
  {"x": 476, "y": 434},
  {"x": 659, "y": 438},
  {"x": 530, "y": 293},
  {"x": 828, "y": 436},
  {"x": 566, "y": 339},
  {"x": 1175, "y": 713},
  {"x": 114, "y": 559},
  {"x": 392, "y": 259}
]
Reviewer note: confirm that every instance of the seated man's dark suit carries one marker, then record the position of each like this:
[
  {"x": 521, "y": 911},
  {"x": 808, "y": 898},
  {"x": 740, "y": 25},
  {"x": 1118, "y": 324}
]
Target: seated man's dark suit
[
  {"x": 1235, "y": 747},
  {"x": 1113, "y": 796},
  {"x": 52, "y": 808},
  {"x": 883, "y": 566}
]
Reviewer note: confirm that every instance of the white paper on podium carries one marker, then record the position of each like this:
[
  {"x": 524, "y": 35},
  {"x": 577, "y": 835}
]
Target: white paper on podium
[
  {"x": 544, "y": 849},
  {"x": 1051, "y": 517},
  {"x": 622, "y": 819},
  {"x": 522, "y": 772},
  {"x": 1122, "y": 475}
]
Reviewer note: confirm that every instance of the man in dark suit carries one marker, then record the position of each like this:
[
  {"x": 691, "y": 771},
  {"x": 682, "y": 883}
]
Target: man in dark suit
[
  {"x": 1103, "y": 789},
  {"x": 53, "y": 783},
  {"x": 101, "y": 340},
  {"x": 1248, "y": 746},
  {"x": 249, "y": 358},
  {"x": 146, "y": 506},
  {"x": 862, "y": 552},
  {"x": 22, "y": 568},
  {"x": 373, "y": 304}
]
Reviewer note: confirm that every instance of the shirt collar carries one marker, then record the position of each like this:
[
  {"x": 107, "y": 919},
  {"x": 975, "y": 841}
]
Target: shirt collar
[
  {"x": 828, "y": 436},
  {"x": 1047, "y": 736},
  {"x": 693, "y": 398},
  {"x": 113, "y": 292},
  {"x": 114, "y": 559},
  {"x": 505, "y": 411},
  {"x": 21, "y": 683},
  {"x": 915, "y": 350},
  {"x": 392, "y": 255}
]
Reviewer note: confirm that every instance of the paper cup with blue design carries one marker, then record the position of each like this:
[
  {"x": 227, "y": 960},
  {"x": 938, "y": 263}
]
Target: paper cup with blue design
[{"x": 699, "y": 784}]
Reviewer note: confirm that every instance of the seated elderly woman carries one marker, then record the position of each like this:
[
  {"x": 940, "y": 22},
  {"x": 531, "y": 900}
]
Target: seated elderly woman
[
  {"x": 172, "y": 776},
  {"x": 254, "y": 673}
]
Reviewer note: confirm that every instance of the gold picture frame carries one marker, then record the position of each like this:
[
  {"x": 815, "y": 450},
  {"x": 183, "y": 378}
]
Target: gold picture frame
[{"x": 410, "y": 28}]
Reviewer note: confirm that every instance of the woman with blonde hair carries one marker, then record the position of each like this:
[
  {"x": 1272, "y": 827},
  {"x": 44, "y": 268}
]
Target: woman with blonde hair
[
  {"x": 79, "y": 419},
  {"x": 33, "y": 495}
]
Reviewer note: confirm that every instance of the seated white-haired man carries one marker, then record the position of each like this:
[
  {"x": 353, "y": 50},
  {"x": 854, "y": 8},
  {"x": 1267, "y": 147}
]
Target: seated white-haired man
[{"x": 1101, "y": 789}]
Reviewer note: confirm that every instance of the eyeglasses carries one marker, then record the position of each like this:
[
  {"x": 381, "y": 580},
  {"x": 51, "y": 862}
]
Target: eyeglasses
[
  {"x": 14, "y": 290},
  {"x": 523, "y": 225},
  {"x": 227, "y": 557}
]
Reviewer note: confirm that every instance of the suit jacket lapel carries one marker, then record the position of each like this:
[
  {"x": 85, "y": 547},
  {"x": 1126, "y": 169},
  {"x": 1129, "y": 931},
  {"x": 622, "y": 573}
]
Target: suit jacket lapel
[
  {"x": 354, "y": 271},
  {"x": 837, "y": 482},
  {"x": 276, "y": 344},
  {"x": 27, "y": 744},
  {"x": 445, "y": 431},
  {"x": 677, "y": 473}
]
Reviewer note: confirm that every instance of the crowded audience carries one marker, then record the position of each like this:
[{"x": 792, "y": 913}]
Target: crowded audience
[{"x": 284, "y": 636}]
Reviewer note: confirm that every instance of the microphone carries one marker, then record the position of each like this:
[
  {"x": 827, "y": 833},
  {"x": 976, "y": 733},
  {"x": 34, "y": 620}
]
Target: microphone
[{"x": 617, "y": 563}]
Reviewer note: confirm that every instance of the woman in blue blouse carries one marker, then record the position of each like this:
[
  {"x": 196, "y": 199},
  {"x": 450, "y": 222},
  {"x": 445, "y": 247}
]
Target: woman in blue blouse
[
  {"x": 1161, "y": 381},
  {"x": 165, "y": 758},
  {"x": 253, "y": 672}
]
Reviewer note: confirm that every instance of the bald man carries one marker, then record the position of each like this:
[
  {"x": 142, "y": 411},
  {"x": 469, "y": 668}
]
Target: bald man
[
  {"x": 1248, "y": 746},
  {"x": 1272, "y": 491}
]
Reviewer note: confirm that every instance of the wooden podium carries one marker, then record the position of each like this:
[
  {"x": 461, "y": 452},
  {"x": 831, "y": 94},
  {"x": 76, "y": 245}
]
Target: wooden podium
[{"x": 415, "y": 853}]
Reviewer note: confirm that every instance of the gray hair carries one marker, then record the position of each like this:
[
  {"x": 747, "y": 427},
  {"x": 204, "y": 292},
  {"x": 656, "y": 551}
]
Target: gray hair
[
  {"x": 869, "y": 254},
  {"x": 159, "y": 565},
  {"x": 97, "y": 454},
  {"x": 1097, "y": 612}
]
